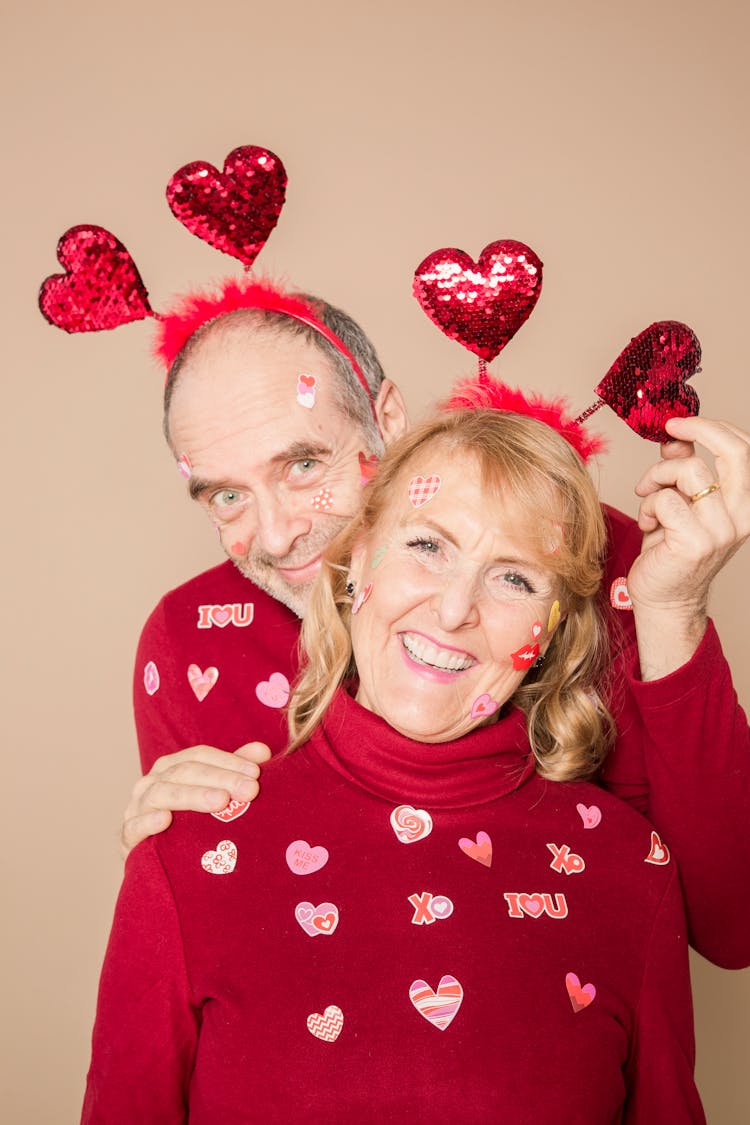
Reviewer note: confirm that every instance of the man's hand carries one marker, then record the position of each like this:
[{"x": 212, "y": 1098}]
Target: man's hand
[
  {"x": 687, "y": 538},
  {"x": 200, "y": 778}
]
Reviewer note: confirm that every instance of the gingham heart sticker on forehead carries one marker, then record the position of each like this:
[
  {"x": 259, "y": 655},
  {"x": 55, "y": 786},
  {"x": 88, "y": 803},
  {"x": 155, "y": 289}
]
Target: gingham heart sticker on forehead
[{"x": 422, "y": 489}]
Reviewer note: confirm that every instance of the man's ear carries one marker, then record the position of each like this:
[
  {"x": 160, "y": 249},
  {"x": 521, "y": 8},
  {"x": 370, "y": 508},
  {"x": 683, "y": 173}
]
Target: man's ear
[{"x": 390, "y": 409}]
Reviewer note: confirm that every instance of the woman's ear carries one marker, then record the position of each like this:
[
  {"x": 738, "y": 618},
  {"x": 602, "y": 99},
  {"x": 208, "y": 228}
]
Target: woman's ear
[{"x": 357, "y": 563}]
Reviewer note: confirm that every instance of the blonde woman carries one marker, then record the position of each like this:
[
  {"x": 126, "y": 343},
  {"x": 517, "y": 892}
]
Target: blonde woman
[{"x": 452, "y": 927}]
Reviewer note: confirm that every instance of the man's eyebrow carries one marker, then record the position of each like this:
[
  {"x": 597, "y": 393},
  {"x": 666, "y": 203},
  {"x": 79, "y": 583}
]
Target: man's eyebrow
[
  {"x": 300, "y": 451},
  {"x": 198, "y": 486}
]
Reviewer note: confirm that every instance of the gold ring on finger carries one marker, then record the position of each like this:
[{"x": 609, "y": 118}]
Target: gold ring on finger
[{"x": 705, "y": 492}]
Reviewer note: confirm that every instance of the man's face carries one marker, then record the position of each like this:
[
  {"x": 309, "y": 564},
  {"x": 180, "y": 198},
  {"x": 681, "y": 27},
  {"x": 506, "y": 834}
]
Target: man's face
[{"x": 271, "y": 458}]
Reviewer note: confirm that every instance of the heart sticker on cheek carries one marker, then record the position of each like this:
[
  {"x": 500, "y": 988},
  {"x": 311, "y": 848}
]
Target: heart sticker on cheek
[
  {"x": 554, "y": 617},
  {"x": 184, "y": 466},
  {"x": 536, "y": 629},
  {"x": 322, "y": 501},
  {"x": 361, "y": 598},
  {"x": 368, "y": 467},
  {"x": 483, "y": 706}
]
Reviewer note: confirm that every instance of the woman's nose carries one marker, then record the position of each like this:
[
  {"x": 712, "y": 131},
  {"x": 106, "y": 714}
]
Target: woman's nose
[{"x": 455, "y": 602}]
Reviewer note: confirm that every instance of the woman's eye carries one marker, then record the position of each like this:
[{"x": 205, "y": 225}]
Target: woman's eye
[
  {"x": 424, "y": 546},
  {"x": 517, "y": 581}
]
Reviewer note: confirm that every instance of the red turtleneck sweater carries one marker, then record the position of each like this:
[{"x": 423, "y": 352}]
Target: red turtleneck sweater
[
  {"x": 217, "y": 652},
  {"x": 399, "y": 931}
]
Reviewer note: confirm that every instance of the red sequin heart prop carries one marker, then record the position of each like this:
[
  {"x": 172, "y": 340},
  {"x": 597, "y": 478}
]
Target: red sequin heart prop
[
  {"x": 234, "y": 211},
  {"x": 101, "y": 287},
  {"x": 645, "y": 386},
  {"x": 480, "y": 304}
]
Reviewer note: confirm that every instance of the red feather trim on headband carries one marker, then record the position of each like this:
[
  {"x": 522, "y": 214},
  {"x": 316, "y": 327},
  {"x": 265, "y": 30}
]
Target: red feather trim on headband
[
  {"x": 193, "y": 310},
  {"x": 486, "y": 393}
]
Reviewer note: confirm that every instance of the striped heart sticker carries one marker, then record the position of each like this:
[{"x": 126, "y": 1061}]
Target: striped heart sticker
[
  {"x": 327, "y": 1026},
  {"x": 438, "y": 1008}
]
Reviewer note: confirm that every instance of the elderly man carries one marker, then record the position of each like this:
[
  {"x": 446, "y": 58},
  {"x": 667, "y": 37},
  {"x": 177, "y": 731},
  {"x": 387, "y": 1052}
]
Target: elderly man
[{"x": 270, "y": 422}]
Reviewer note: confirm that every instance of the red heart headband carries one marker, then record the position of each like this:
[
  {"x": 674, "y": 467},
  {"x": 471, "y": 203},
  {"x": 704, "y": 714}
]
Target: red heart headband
[
  {"x": 234, "y": 211},
  {"x": 483, "y": 304}
]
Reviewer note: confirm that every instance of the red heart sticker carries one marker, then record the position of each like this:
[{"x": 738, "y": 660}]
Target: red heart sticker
[
  {"x": 234, "y": 211},
  {"x": 646, "y": 385},
  {"x": 101, "y": 287},
  {"x": 480, "y": 304}
]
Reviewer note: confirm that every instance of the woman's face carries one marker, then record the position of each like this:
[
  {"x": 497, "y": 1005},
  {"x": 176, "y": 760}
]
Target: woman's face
[{"x": 454, "y": 603}]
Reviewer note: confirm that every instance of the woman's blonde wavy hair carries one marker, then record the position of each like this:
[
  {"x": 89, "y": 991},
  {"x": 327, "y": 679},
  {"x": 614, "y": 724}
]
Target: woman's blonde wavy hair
[{"x": 532, "y": 467}]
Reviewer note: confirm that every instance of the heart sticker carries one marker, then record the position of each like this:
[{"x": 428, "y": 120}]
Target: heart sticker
[
  {"x": 554, "y": 617},
  {"x": 361, "y": 598},
  {"x": 410, "y": 824},
  {"x": 580, "y": 997},
  {"x": 659, "y": 853},
  {"x": 273, "y": 692},
  {"x": 619, "y": 598},
  {"x": 590, "y": 816},
  {"x": 422, "y": 489},
  {"x": 151, "y": 678},
  {"x": 304, "y": 860},
  {"x": 438, "y": 1008},
  {"x": 222, "y": 860},
  {"x": 221, "y": 615},
  {"x": 184, "y": 466},
  {"x": 646, "y": 385},
  {"x": 202, "y": 682},
  {"x": 483, "y": 706},
  {"x": 322, "y": 501},
  {"x": 316, "y": 920},
  {"x": 368, "y": 467},
  {"x": 101, "y": 287},
  {"x": 328, "y": 1026},
  {"x": 479, "y": 849},
  {"x": 480, "y": 304},
  {"x": 536, "y": 629},
  {"x": 231, "y": 811},
  {"x": 306, "y": 385},
  {"x": 234, "y": 210}
]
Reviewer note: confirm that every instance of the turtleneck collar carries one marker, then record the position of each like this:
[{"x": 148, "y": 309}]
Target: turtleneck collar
[{"x": 480, "y": 767}]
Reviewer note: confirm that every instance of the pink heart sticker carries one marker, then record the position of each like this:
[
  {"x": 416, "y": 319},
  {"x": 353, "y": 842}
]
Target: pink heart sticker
[
  {"x": 439, "y": 1007},
  {"x": 591, "y": 815},
  {"x": 304, "y": 860},
  {"x": 328, "y": 1025},
  {"x": 361, "y": 598},
  {"x": 221, "y": 615},
  {"x": 659, "y": 853},
  {"x": 222, "y": 860},
  {"x": 533, "y": 905},
  {"x": 422, "y": 489},
  {"x": 151, "y": 678},
  {"x": 483, "y": 706},
  {"x": 479, "y": 849},
  {"x": 202, "y": 682},
  {"x": 316, "y": 920},
  {"x": 619, "y": 598},
  {"x": 410, "y": 824},
  {"x": 580, "y": 997},
  {"x": 184, "y": 466},
  {"x": 231, "y": 811},
  {"x": 273, "y": 692}
]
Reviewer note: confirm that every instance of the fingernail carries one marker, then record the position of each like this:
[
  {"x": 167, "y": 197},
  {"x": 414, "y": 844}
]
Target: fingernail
[{"x": 216, "y": 797}]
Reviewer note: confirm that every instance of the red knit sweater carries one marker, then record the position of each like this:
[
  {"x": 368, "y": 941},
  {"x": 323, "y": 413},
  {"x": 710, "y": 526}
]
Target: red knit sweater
[
  {"x": 399, "y": 931},
  {"x": 217, "y": 653}
]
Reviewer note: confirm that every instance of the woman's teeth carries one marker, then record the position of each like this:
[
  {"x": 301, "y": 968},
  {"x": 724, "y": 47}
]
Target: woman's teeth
[{"x": 445, "y": 660}]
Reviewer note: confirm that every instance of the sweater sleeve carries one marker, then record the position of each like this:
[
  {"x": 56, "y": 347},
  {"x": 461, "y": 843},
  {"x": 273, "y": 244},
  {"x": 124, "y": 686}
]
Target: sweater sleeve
[
  {"x": 146, "y": 1030},
  {"x": 163, "y": 724},
  {"x": 659, "y": 1072},
  {"x": 697, "y": 763}
]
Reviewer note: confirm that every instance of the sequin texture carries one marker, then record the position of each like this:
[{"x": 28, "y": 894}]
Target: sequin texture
[
  {"x": 234, "y": 211},
  {"x": 101, "y": 287},
  {"x": 646, "y": 385},
  {"x": 480, "y": 304}
]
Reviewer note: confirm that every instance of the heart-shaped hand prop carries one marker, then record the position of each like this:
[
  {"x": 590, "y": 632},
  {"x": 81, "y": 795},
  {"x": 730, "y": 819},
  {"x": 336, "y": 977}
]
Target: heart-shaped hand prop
[
  {"x": 101, "y": 287},
  {"x": 480, "y": 304},
  {"x": 646, "y": 385},
  {"x": 234, "y": 211}
]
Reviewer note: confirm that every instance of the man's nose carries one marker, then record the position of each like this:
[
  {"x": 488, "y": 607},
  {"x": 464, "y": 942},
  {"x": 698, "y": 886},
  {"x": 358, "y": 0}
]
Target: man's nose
[{"x": 279, "y": 524}]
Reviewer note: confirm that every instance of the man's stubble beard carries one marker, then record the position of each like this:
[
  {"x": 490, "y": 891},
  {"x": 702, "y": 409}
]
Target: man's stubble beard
[{"x": 262, "y": 569}]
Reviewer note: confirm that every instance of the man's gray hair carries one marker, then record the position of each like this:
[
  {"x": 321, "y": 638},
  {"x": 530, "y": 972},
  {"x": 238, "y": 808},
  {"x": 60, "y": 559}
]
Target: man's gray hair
[{"x": 352, "y": 400}]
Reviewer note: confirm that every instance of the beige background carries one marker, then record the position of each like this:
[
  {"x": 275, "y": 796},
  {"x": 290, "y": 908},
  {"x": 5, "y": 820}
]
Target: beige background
[{"x": 610, "y": 137}]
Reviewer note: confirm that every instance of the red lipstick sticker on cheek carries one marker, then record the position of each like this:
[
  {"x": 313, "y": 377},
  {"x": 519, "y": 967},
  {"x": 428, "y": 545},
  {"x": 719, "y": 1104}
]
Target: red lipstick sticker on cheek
[{"x": 524, "y": 657}]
